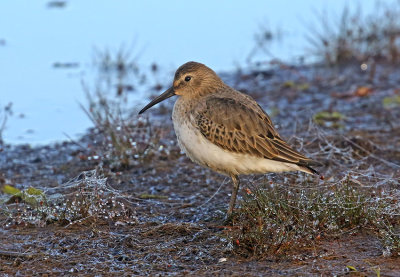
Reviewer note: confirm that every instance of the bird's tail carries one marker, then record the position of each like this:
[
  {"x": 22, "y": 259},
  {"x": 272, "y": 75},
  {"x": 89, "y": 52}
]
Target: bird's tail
[
  {"x": 306, "y": 167},
  {"x": 309, "y": 169}
]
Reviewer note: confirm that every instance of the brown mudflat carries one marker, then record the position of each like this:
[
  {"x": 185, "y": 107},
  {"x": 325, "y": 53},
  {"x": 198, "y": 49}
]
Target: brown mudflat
[{"x": 171, "y": 223}]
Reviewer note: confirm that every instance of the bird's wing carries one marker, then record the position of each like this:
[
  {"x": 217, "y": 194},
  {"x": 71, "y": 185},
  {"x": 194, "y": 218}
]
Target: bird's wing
[{"x": 244, "y": 128}]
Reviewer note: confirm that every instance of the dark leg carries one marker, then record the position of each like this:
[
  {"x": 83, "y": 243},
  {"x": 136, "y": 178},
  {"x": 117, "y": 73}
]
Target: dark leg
[{"x": 235, "y": 189}]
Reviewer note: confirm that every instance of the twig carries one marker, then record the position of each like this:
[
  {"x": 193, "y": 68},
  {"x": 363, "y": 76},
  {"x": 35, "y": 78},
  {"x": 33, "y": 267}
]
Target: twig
[
  {"x": 372, "y": 155},
  {"x": 215, "y": 193},
  {"x": 12, "y": 254}
]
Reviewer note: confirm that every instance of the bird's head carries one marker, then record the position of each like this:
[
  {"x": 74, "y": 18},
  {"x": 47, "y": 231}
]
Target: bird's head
[{"x": 192, "y": 80}]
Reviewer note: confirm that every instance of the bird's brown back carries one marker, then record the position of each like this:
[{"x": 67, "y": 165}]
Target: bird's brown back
[{"x": 235, "y": 122}]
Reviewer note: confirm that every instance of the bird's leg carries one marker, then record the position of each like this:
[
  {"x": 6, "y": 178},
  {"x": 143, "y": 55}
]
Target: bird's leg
[{"x": 235, "y": 189}]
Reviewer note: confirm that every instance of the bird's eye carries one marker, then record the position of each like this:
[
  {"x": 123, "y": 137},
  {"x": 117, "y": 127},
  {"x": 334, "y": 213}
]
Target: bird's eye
[{"x": 188, "y": 78}]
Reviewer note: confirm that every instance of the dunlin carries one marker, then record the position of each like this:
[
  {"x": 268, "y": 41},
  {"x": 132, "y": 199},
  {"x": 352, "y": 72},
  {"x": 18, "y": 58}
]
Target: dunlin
[{"x": 225, "y": 130}]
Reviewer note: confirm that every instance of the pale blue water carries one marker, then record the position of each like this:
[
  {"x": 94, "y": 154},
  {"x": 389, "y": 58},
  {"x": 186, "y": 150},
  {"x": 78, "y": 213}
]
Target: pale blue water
[{"x": 218, "y": 33}]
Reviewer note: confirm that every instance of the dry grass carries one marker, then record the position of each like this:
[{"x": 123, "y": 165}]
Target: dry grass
[
  {"x": 356, "y": 37},
  {"x": 5, "y": 113},
  {"x": 126, "y": 138},
  {"x": 352, "y": 36}
]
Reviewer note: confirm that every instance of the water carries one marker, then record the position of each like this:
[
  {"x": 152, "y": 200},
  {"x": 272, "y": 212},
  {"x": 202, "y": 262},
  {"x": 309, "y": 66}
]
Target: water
[{"x": 34, "y": 37}]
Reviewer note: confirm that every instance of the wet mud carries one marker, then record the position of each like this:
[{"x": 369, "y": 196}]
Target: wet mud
[{"x": 163, "y": 215}]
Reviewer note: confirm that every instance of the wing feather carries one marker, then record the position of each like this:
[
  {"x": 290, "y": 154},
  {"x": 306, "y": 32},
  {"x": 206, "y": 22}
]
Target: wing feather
[{"x": 243, "y": 127}]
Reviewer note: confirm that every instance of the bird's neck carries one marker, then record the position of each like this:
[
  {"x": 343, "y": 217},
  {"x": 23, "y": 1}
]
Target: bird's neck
[{"x": 210, "y": 88}]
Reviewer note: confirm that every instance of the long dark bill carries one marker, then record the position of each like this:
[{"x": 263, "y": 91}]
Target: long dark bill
[{"x": 165, "y": 95}]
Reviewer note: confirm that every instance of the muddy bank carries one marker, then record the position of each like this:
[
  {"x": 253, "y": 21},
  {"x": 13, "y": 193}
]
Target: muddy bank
[{"x": 161, "y": 214}]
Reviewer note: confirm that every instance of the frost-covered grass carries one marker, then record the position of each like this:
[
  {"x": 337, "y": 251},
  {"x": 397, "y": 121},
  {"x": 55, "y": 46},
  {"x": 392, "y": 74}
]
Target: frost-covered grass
[
  {"x": 86, "y": 198},
  {"x": 277, "y": 219}
]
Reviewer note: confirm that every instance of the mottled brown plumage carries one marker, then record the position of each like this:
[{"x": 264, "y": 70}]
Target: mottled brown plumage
[
  {"x": 226, "y": 130},
  {"x": 241, "y": 126}
]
